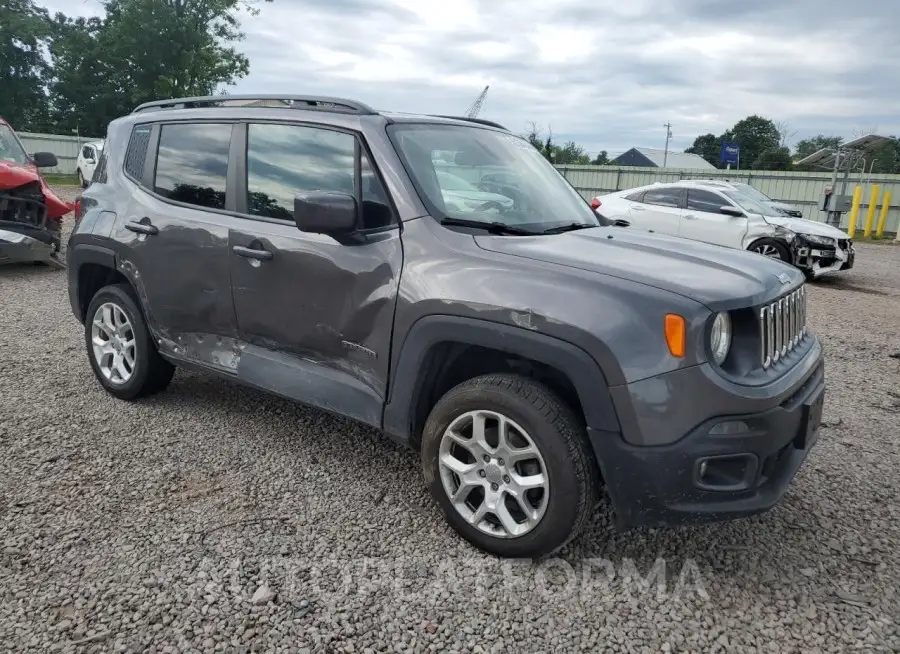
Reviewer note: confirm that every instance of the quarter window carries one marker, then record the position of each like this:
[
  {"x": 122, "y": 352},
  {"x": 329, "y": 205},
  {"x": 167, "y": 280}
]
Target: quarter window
[
  {"x": 698, "y": 200},
  {"x": 664, "y": 197},
  {"x": 192, "y": 164},
  {"x": 636, "y": 197},
  {"x": 136, "y": 153}
]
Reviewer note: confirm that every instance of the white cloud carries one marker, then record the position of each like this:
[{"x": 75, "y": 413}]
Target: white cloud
[{"x": 607, "y": 73}]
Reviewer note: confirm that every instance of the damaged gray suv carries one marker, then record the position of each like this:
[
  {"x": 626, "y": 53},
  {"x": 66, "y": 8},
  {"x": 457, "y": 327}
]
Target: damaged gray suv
[{"x": 436, "y": 278}]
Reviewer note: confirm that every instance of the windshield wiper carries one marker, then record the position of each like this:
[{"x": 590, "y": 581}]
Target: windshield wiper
[
  {"x": 571, "y": 227},
  {"x": 490, "y": 227}
]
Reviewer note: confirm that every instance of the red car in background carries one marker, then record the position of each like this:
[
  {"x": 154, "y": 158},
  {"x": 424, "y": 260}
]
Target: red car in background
[{"x": 30, "y": 213}]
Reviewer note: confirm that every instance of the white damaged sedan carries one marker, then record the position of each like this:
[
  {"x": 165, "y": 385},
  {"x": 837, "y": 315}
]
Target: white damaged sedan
[{"x": 725, "y": 216}]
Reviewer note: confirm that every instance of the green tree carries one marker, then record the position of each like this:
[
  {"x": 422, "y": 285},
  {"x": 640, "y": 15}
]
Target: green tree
[
  {"x": 806, "y": 147},
  {"x": 571, "y": 153},
  {"x": 602, "y": 159},
  {"x": 144, "y": 50},
  {"x": 708, "y": 146},
  {"x": 754, "y": 135},
  {"x": 24, "y": 31},
  {"x": 773, "y": 159}
]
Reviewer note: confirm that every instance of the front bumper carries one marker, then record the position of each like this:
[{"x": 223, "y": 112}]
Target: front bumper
[
  {"x": 731, "y": 465},
  {"x": 818, "y": 260},
  {"x": 22, "y": 248}
]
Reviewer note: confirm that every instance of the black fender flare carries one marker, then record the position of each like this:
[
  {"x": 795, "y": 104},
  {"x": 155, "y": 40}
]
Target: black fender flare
[
  {"x": 582, "y": 370},
  {"x": 76, "y": 257}
]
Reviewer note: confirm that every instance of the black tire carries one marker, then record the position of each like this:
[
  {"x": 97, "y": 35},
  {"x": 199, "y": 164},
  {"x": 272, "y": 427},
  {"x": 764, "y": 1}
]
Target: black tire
[
  {"x": 559, "y": 436},
  {"x": 783, "y": 253},
  {"x": 151, "y": 373},
  {"x": 82, "y": 182}
]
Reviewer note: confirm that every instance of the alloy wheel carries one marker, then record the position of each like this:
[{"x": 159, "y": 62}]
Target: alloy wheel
[
  {"x": 768, "y": 251},
  {"x": 114, "y": 346},
  {"x": 494, "y": 474}
]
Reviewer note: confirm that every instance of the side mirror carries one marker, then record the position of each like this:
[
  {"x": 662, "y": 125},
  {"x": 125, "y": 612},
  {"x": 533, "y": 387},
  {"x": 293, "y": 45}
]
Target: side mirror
[
  {"x": 44, "y": 159},
  {"x": 734, "y": 212},
  {"x": 323, "y": 212},
  {"x": 621, "y": 223}
]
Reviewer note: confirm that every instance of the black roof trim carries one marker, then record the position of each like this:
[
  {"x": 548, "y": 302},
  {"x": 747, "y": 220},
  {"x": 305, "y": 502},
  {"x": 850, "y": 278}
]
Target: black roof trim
[
  {"x": 480, "y": 121},
  {"x": 313, "y": 102}
]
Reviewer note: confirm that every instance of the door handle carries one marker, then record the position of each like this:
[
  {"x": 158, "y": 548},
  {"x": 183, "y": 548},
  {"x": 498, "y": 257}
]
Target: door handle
[
  {"x": 690, "y": 216},
  {"x": 637, "y": 208},
  {"x": 251, "y": 253},
  {"x": 142, "y": 227}
]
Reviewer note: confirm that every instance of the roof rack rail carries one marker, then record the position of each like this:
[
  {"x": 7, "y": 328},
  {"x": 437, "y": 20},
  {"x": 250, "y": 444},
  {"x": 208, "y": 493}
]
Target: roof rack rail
[
  {"x": 480, "y": 121},
  {"x": 320, "y": 103}
]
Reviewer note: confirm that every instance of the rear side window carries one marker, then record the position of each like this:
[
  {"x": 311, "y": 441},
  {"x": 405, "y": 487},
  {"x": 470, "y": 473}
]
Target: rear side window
[
  {"x": 698, "y": 200},
  {"x": 137, "y": 151},
  {"x": 663, "y": 197},
  {"x": 100, "y": 171},
  {"x": 192, "y": 163},
  {"x": 636, "y": 197}
]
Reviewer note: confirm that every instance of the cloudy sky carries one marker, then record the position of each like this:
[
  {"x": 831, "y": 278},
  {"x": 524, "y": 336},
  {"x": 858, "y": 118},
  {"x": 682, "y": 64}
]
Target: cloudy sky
[{"x": 606, "y": 73}]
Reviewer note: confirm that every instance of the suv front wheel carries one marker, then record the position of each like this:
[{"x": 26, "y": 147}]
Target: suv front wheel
[
  {"x": 509, "y": 465},
  {"x": 120, "y": 348}
]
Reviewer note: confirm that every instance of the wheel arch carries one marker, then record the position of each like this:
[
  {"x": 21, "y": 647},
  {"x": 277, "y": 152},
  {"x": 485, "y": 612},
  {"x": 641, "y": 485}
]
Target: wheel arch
[
  {"x": 440, "y": 351},
  {"x": 90, "y": 268}
]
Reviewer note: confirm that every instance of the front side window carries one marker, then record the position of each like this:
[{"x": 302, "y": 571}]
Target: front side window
[
  {"x": 487, "y": 176},
  {"x": 663, "y": 197},
  {"x": 284, "y": 161},
  {"x": 10, "y": 148},
  {"x": 192, "y": 163},
  {"x": 706, "y": 201}
]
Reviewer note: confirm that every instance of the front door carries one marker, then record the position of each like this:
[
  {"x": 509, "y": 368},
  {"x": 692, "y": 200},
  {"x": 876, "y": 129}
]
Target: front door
[
  {"x": 177, "y": 238},
  {"x": 704, "y": 221},
  {"x": 659, "y": 210},
  {"x": 317, "y": 313}
]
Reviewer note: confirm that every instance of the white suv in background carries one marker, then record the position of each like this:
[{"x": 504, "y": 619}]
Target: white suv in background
[
  {"x": 88, "y": 157},
  {"x": 723, "y": 215}
]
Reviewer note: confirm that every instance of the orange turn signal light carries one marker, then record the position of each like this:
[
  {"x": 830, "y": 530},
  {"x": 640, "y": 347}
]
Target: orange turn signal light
[{"x": 675, "y": 334}]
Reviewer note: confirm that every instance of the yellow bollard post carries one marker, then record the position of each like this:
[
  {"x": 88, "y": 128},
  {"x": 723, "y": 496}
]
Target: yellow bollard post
[
  {"x": 870, "y": 214},
  {"x": 882, "y": 219},
  {"x": 854, "y": 212}
]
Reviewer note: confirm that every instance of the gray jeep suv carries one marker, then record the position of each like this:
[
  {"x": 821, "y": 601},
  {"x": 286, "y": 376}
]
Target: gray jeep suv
[{"x": 531, "y": 354}]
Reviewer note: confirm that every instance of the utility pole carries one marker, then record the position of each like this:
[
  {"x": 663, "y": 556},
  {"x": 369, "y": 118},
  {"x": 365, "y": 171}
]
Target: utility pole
[{"x": 668, "y": 127}]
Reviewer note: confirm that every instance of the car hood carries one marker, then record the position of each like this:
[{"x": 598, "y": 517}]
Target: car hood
[
  {"x": 721, "y": 278},
  {"x": 806, "y": 226},
  {"x": 14, "y": 175}
]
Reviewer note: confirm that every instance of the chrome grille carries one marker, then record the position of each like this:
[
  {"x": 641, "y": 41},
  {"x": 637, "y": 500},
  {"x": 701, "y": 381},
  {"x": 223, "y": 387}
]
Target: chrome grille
[{"x": 782, "y": 325}]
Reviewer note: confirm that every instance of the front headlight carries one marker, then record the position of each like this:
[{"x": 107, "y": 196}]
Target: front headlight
[
  {"x": 720, "y": 338},
  {"x": 819, "y": 240}
]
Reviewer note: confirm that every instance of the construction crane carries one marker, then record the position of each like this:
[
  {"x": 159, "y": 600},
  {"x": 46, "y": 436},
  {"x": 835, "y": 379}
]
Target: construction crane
[{"x": 475, "y": 108}]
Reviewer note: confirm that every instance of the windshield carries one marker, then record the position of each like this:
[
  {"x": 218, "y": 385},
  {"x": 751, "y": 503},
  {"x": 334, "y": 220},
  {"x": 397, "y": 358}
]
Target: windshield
[
  {"x": 748, "y": 204},
  {"x": 491, "y": 177},
  {"x": 10, "y": 148},
  {"x": 752, "y": 193}
]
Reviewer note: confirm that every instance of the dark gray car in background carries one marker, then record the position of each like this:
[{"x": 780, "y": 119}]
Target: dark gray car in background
[{"x": 532, "y": 355}]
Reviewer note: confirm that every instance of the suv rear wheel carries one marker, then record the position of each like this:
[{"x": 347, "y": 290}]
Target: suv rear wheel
[
  {"x": 120, "y": 348},
  {"x": 508, "y": 463}
]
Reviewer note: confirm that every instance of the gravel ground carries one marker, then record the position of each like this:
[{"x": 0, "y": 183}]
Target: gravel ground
[{"x": 214, "y": 518}]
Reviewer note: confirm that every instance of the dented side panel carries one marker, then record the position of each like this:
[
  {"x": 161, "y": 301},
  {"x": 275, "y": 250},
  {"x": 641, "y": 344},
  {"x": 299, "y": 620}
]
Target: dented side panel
[
  {"x": 181, "y": 276},
  {"x": 317, "y": 299}
]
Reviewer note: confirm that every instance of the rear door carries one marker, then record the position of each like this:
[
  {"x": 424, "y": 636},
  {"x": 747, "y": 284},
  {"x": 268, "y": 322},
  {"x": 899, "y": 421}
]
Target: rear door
[
  {"x": 175, "y": 233},
  {"x": 659, "y": 210},
  {"x": 704, "y": 221},
  {"x": 316, "y": 312}
]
